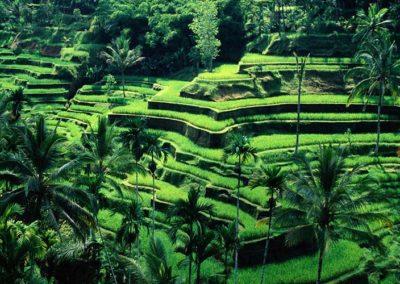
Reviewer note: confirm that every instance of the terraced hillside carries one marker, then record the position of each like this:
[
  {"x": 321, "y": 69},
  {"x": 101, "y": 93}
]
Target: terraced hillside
[
  {"x": 43, "y": 83},
  {"x": 196, "y": 116}
]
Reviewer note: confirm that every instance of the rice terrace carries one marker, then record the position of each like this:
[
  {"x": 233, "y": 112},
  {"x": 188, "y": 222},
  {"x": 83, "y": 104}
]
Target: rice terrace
[{"x": 200, "y": 141}]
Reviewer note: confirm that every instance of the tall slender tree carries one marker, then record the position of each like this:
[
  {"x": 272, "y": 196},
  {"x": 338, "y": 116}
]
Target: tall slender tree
[
  {"x": 187, "y": 217},
  {"x": 371, "y": 24},
  {"x": 156, "y": 151},
  {"x": 300, "y": 71},
  {"x": 205, "y": 28},
  {"x": 134, "y": 139},
  {"x": 101, "y": 151},
  {"x": 16, "y": 99},
  {"x": 227, "y": 244},
  {"x": 120, "y": 56},
  {"x": 274, "y": 180},
  {"x": 328, "y": 203},
  {"x": 240, "y": 147},
  {"x": 378, "y": 75}
]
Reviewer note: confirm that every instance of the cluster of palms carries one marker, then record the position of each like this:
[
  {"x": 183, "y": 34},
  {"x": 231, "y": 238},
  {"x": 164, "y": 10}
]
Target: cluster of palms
[{"x": 53, "y": 192}]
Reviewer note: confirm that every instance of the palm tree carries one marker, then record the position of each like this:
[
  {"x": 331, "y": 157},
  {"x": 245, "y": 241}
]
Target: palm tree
[
  {"x": 19, "y": 244},
  {"x": 74, "y": 261},
  {"x": 328, "y": 203},
  {"x": 102, "y": 152},
  {"x": 134, "y": 139},
  {"x": 186, "y": 217},
  {"x": 239, "y": 146},
  {"x": 379, "y": 75},
  {"x": 16, "y": 99},
  {"x": 157, "y": 263},
  {"x": 372, "y": 23},
  {"x": 128, "y": 233},
  {"x": 156, "y": 270},
  {"x": 206, "y": 246},
  {"x": 120, "y": 56},
  {"x": 39, "y": 160},
  {"x": 227, "y": 244},
  {"x": 300, "y": 70},
  {"x": 274, "y": 179},
  {"x": 155, "y": 150}
]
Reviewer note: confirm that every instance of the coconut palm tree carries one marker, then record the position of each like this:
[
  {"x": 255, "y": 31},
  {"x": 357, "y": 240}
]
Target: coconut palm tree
[
  {"x": 240, "y": 147},
  {"x": 186, "y": 217},
  {"x": 227, "y": 239},
  {"x": 128, "y": 233},
  {"x": 134, "y": 139},
  {"x": 300, "y": 71},
  {"x": 379, "y": 75},
  {"x": 327, "y": 203},
  {"x": 120, "y": 56},
  {"x": 372, "y": 23},
  {"x": 16, "y": 99},
  {"x": 156, "y": 269},
  {"x": 156, "y": 151},
  {"x": 101, "y": 150},
  {"x": 20, "y": 244},
  {"x": 39, "y": 162},
  {"x": 206, "y": 246},
  {"x": 274, "y": 179}
]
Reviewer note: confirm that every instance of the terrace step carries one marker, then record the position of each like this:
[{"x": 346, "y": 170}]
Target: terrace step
[
  {"x": 215, "y": 139},
  {"x": 64, "y": 85},
  {"x": 271, "y": 109}
]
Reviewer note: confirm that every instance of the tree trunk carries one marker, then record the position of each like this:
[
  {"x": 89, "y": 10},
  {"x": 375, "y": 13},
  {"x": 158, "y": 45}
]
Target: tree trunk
[
  {"x": 271, "y": 208},
  {"x": 237, "y": 224},
  {"x": 226, "y": 266},
  {"x": 378, "y": 129},
  {"x": 137, "y": 204},
  {"x": 106, "y": 251},
  {"x": 296, "y": 151},
  {"x": 123, "y": 84},
  {"x": 154, "y": 207},
  {"x": 190, "y": 269},
  {"x": 198, "y": 272},
  {"x": 320, "y": 259}
]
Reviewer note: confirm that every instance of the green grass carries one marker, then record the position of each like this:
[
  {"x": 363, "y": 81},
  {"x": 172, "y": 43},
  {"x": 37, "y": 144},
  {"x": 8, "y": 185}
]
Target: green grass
[
  {"x": 223, "y": 72},
  {"x": 211, "y": 177},
  {"x": 172, "y": 95},
  {"x": 255, "y": 58},
  {"x": 89, "y": 109},
  {"x": 341, "y": 258},
  {"x": 208, "y": 123},
  {"x": 88, "y": 119},
  {"x": 274, "y": 142},
  {"x": 38, "y": 58},
  {"x": 32, "y": 68},
  {"x": 92, "y": 98},
  {"x": 57, "y": 91}
]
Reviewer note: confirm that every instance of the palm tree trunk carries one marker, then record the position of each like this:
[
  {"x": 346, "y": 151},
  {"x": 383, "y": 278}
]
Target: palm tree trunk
[
  {"x": 154, "y": 207},
  {"x": 226, "y": 266},
  {"x": 123, "y": 83},
  {"x": 320, "y": 259},
  {"x": 198, "y": 272},
  {"x": 190, "y": 253},
  {"x": 106, "y": 250},
  {"x": 378, "y": 129},
  {"x": 296, "y": 151},
  {"x": 190, "y": 269},
  {"x": 137, "y": 204},
  {"x": 237, "y": 225},
  {"x": 271, "y": 208}
]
